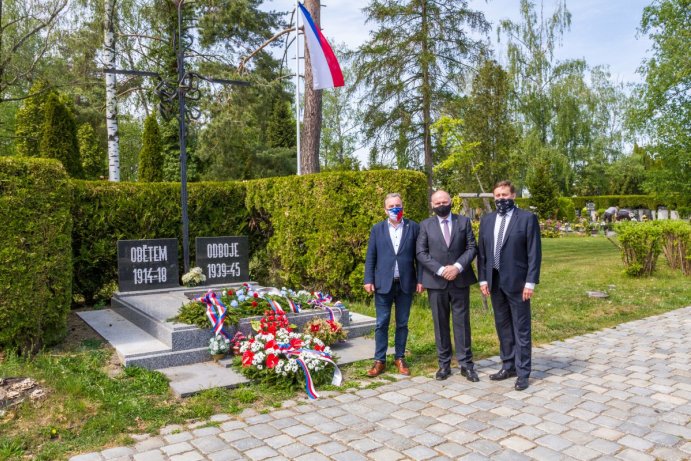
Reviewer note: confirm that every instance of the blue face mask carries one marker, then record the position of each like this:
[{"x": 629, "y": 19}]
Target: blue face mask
[{"x": 395, "y": 214}]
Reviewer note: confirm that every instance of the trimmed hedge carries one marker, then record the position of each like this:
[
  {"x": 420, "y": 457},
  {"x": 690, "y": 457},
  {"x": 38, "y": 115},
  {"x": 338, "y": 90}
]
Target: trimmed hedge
[
  {"x": 307, "y": 231},
  {"x": 641, "y": 244},
  {"x": 105, "y": 212},
  {"x": 35, "y": 257},
  {"x": 619, "y": 201},
  {"x": 318, "y": 225}
]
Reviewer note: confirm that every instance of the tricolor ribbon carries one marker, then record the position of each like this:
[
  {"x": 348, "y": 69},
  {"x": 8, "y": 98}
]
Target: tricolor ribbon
[
  {"x": 321, "y": 301},
  {"x": 319, "y": 355},
  {"x": 215, "y": 311},
  {"x": 273, "y": 304}
]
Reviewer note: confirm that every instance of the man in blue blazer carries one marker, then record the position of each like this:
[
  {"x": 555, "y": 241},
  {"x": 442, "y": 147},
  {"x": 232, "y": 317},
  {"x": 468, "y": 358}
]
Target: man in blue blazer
[
  {"x": 508, "y": 264},
  {"x": 391, "y": 274},
  {"x": 445, "y": 250}
]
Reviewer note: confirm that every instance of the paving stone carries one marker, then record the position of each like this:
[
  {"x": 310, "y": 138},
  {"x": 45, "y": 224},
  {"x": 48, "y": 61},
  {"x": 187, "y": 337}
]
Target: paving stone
[
  {"x": 554, "y": 442},
  {"x": 451, "y": 449},
  {"x": 348, "y": 455},
  {"x": 386, "y": 454},
  {"x": 150, "y": 455},
  {"x": 634, "y": 455},
  {"x": 365, "y": 445},
  {"x": 582, "y": 453},
  {"x": 420, "y": 453},
  {"x": 96, "y": 456},
  {"x": 229, "y": 454},
  {"x": 518, "y": 444},
  {"x": 117, "y": 452},
  {"x": 148, "y": 444},
  {"x": 604, "y": 446},
  {"x": 178, "y": 437},
  {"x": 635, "y": 442},
  {"x": 294, "y": 450},
  {"x": 261, "y": 453},
  {"x": 209, "y": 444},
  {"x": 176, "y": 448},
  {"x": 189, "y": 456}
]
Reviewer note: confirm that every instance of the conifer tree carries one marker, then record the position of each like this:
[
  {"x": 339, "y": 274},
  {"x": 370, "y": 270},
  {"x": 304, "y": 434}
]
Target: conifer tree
[
  {"x": 59, "y": 136},
  {"x": 29, "y": 121},
  {"x": 151, "y": 155},
  {"x": 93, "y": 157}
]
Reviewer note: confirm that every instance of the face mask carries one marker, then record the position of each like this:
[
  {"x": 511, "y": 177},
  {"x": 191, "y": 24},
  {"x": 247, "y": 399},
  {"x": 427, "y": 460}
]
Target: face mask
[
  {"x": 395, "y": 214},
  {"x": 504, "y": 205},
  {"x": 442, "y": 210}
]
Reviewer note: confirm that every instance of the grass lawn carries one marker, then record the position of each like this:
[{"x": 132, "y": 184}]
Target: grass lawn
[{"x": 88, "y": 408}]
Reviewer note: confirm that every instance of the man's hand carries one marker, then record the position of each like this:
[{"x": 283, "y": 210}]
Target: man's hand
[
  {"x": 419, "y": 288},
  {"x": 369, "y": 288},
  {"x": 450, "y": 272},
  {"x": 527, "y": 294},
  {"x": 484, "y": 289}
]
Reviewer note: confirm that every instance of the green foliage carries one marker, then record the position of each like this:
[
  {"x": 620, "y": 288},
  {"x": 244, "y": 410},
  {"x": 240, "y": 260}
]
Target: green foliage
[
  {"x": 59, "y": 136},
  {"x": 565, "y": 209},
  {"x": 93, "y": 157},
  {"x": 664, "y": 100},
  {"x": 619, "y": 201},
  {"x": 106, "y": 212},
  {"x": 151, "y": 156},
  {"x": 281, "y": 126},
  {"x": 35, "y": 274},
  {"x": 418, "y": 54},
  {"x": 641, "y": 244},
  {"x": 543, "y": 190},
  {"x": 676, "y": 244},
  {"x": 318, "y": 225},
  {"x": 29, "y": 120}
]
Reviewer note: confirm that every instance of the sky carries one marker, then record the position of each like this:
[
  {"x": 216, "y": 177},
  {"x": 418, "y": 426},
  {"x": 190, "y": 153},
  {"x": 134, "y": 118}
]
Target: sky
[{"x": 603, "y": 32}]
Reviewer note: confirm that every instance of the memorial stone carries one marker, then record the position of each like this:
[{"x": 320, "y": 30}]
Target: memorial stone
[
  {"x": 674, "y": 215},
  {"x": 147, "y": 264},
  {"x": 662, "y": 213},
  {"x": 223, "y": 259}
]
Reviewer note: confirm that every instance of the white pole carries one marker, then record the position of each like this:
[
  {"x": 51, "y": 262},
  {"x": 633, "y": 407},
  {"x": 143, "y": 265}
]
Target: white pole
[{"x": 297, "y": 83}]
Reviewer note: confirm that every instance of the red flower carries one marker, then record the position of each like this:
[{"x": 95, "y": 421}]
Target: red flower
[
  {"x": 318, "y": 347},
  {"x": 271, "y": 345},
  {"x": 247, "y": 358},
  {"x": 333, "y": 326},
  {"x": 256, "y": 295},
  {"x": 296, "y": 343},
  {"x": 271, "y": 360},
  {"x": 245, "y": 284},
  {"x": 314, "y": 328},
  {"x": 230, "y": 293},
  {"x": 254, "y": 304}
]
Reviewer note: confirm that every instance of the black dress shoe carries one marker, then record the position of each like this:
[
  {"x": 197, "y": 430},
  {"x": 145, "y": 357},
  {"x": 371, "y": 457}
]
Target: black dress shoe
[
  {"x": 521, "y": 384},
  {"x": 442, "y": 374},
  {"x": 470, "y": 374},
  {"x": 502, "y": 374}
]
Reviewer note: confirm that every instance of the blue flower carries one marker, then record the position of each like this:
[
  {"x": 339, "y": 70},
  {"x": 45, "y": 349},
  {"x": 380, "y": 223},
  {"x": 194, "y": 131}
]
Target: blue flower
[{"x": 234, "y": 303}]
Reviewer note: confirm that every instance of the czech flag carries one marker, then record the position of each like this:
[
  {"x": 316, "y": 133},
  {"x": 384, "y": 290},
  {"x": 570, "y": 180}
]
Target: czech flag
[{"x": 326, "y": 71}]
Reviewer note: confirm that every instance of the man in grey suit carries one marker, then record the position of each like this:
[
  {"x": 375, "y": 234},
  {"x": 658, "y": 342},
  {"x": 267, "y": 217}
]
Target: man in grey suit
[
  {"x": 508, "y": 264},
  {"x": 391, "y": 274},
  {"x": 445, "y": 249}
]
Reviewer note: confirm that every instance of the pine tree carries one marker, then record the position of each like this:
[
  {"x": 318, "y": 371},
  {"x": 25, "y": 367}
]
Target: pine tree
[
  {"x": 281, "y": 127},
  {"x": 59, "y": 136},
  {"x": 93, "y": 157},
  {"x": 151, "y": 155},
  {"x": 544, "y": 192}
]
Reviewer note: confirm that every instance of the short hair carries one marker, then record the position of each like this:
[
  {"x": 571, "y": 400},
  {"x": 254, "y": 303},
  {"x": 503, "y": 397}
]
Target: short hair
[
  {"x": 505, "y": 183},
  {"x": 392, "y": 195}
]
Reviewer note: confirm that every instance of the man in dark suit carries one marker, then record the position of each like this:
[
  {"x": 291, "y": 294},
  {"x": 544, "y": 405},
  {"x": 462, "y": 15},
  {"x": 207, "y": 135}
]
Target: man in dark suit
[
  {"x": 445, "y": 249},
  {"x": 508, "y": 264},
  {"x": 391, "y": 274}
]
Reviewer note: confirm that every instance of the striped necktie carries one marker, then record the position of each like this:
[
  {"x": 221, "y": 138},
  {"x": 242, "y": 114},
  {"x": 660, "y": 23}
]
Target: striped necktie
[{"x": 500, "y": 238}]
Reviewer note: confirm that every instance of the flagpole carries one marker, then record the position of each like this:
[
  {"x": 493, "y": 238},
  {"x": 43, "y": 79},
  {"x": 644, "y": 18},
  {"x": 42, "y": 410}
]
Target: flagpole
[{"x": 297, "y": 84}]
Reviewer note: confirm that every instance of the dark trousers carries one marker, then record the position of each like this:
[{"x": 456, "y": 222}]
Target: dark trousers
[
  {"x": 455, "y": 303},
  {"x": 383, "y": 304},
  {"x": 512, "y": 320}
]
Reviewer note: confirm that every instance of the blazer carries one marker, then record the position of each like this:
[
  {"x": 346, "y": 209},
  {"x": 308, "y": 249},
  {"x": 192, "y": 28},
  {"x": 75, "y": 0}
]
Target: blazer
[
  {"x": 521, "y": 251},
  {"x": 381, "y": 258},
  {"x": 432, "y": 252}
]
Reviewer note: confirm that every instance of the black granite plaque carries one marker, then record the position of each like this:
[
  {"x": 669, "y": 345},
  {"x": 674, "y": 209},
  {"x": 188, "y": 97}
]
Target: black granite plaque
[
  {"x": 147, "y": 264},
  {"x": 223, "y": 259}
]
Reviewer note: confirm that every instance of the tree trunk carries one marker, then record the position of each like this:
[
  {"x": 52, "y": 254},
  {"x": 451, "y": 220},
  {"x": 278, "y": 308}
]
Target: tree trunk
[
  {"x": 312, "y": 122},
  {"x": 111, "y": 99},
  {"x": 426, "y": 102}
]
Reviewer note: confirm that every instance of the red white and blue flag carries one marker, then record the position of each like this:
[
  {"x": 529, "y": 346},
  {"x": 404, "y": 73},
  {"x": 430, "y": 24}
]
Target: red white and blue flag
[{"x": 326, "y": 72}]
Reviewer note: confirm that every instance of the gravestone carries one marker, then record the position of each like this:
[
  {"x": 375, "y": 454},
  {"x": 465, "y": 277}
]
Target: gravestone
[
  {"x": 674, "y": 215},
  {"x": 662, "y": 213},
  {"x": 223, "y": 259},
  {"x": 147, "y": 264}
]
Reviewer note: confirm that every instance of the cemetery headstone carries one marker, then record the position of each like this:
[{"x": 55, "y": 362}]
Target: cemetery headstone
[
  {"x": 223, "y": 259},
  {"x": 147, "y": 264},
  {"x": 662, "y": 213}
]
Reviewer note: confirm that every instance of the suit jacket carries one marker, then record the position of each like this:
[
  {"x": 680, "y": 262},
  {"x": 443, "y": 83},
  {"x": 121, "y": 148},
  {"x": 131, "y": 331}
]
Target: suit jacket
[
  {"x": 521, "y": 251},
  {"x": 381, "y": 258},
  {"x": 432, "y": 252}
]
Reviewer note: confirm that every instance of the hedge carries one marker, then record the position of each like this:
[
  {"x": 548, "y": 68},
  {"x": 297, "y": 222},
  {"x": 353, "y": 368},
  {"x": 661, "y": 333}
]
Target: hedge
[
  {"x": 319, "y": 224},
  {"x": 307, "y": 230},
  {"x": 105, "y": 212},
  {"x": 35, "y": 257},
  {"x": 619, "y": 201}
]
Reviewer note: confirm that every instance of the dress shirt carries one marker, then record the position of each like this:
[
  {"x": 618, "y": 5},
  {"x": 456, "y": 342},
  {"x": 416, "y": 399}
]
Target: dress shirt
[
  {"x": 395, "y": 232},
  {"x": 497, "y": 225},
  {"x": 441, "y": 226}
]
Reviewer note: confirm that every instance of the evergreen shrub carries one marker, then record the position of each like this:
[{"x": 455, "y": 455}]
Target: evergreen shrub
[
  {"x": 565, "y": 209},
  {"x": 35, "y": 274},
  {"x": 676, "y": 244},
  {"x": 59, "y": 136}
]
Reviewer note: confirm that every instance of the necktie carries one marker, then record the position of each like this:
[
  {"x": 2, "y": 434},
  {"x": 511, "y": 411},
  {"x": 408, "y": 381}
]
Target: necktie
[
  {"x": 447, "y": 234},
  {"x": 500, "y": 238}
]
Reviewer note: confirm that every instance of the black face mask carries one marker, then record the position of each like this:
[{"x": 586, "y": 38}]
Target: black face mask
[
  {"x": 504, "y": 205},
  {"x": 442, "y": 210}
]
